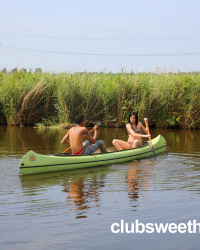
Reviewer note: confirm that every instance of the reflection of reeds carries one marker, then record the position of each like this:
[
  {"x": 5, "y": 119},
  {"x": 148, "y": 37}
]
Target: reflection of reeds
[{"x": 168, "y": 100}]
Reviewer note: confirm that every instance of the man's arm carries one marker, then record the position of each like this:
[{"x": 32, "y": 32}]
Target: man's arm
[
  {"x": 89, "y": 137},
  {"x": 64, "y": 140},
  {"x": 95, "y": 132}
]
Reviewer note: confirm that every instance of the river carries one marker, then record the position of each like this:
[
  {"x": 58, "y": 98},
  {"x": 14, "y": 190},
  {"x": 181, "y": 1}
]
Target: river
[{"x": 75, "y": 209}]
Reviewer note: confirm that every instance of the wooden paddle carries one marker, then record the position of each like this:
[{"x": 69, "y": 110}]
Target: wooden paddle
[
  {"x": 147, "y": 127},
  {"x": 99, "y": 124}
]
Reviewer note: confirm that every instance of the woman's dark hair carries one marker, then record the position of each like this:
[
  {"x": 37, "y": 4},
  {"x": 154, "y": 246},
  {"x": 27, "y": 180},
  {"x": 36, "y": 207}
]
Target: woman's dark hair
[
  {"x": 136, "y": 118},
  {"x": 79, "y": 118}
]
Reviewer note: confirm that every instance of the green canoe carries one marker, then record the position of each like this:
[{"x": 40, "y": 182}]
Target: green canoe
[{"x": 33, "y": 163}]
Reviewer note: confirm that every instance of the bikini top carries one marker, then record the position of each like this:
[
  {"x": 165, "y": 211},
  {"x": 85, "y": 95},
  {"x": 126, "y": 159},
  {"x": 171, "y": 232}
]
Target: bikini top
[{"x": 136, "y": 130}]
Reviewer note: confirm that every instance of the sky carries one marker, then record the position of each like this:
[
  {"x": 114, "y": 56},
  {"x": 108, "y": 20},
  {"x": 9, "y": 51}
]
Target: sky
[{"x": 100, "y": 36}]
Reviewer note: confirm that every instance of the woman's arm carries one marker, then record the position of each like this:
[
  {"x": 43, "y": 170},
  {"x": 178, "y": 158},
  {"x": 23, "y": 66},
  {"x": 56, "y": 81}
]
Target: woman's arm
[
  {"x": 129, "y": 129},
  {"x": 144, "y": 130}
]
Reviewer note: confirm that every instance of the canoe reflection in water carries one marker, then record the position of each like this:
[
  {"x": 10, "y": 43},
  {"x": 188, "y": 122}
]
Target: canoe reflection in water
[
  {"x": 85, "y": 193},
  {"x": 86, "y": 189}
]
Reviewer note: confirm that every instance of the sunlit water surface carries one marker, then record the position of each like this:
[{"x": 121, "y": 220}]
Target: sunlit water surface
[{"x": 75, "y": 209}]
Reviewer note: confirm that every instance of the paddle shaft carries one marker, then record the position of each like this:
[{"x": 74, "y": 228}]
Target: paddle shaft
[
  {"x": 70, "y": 147},
  {"x": 152, "y": 149}
]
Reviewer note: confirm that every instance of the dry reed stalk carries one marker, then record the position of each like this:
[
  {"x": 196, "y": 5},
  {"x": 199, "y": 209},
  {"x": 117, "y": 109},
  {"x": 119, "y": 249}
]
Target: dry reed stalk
[{"x": 32, "y": 105}]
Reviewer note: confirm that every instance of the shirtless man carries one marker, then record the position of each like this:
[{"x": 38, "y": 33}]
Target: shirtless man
[{"x": 76, "y": 135}]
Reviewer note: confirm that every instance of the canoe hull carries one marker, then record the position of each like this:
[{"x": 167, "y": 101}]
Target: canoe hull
[{"x": 33, "y": 163}]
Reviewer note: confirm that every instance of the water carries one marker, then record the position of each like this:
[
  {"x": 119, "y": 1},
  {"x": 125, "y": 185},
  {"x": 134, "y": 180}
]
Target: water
[{"x": 75, "y": 209}]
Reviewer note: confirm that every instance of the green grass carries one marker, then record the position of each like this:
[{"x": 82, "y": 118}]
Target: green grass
[{"x": 47, "y": 99}]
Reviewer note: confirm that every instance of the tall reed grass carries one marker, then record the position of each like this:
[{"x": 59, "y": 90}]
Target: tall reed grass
[{"x": 168, "y": 100}]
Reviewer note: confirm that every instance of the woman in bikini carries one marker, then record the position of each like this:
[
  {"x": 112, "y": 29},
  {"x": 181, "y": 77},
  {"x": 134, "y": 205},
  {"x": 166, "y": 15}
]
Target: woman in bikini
[{"x": 134, "y": 129}]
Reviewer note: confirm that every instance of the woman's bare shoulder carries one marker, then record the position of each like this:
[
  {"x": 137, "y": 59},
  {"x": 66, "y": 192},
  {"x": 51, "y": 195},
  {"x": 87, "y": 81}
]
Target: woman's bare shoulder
[{"x": 140, "y": 124}]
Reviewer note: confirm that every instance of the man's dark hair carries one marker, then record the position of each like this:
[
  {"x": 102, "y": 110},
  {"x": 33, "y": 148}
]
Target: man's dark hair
[{"x": 79, "y": 118}]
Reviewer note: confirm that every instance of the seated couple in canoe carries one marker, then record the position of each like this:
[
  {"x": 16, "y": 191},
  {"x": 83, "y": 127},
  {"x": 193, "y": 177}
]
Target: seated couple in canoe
[{"x": 77, "y": 134}]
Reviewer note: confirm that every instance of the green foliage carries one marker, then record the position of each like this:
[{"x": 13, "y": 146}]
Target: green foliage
[{"x": 168, "y": 100}]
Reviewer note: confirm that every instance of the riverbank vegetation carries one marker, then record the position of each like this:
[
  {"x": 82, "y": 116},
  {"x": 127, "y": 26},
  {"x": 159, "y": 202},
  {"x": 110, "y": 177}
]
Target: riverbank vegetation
[{"x": 46, "y": 99}]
